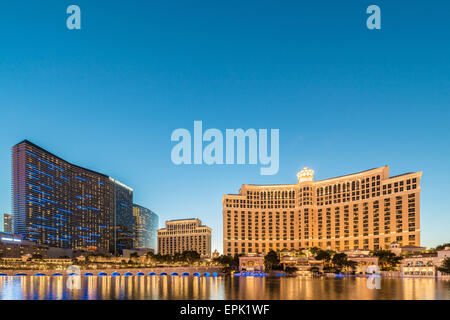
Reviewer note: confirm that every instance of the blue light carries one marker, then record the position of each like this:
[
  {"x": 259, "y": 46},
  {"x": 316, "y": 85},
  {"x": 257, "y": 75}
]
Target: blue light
[
  {"x": 185, "y": 274},
  {"x": 114, "y": 274},
  {"x": 35, "y": 202},
  {"x": 163, "y": 274},
  {"x": 32, "y": 154},
  {"x": 41, "y": 226},
  {"x": 174, "y": 274},
  {"x": 39, "y": 191},
  {"x": 127, "y": 274},
  {"x": 46, "y": 186}
]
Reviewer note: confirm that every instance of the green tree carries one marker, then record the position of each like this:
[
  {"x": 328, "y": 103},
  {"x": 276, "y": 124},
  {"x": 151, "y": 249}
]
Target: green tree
[
  {"x": 271, "y": 260},
  {"x": 190, "y": 256},
  {"x": 339, "y": 260},
  {"x": 314, "y": 250},
  {"x": 224, "y": 260},
  {"x": 442, "y": 246},
  {"x": 445, "y": 266},
  {"x": 325, "y": 255},
  {"x": 387, "y": 260}
]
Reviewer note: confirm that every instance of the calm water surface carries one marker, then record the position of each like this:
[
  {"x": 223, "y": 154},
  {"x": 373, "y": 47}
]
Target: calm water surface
[{"x": 168, "y": 287}]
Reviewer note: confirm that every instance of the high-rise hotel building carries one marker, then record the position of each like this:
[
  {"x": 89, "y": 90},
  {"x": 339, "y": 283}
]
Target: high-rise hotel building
[
  {"x": 365, "y": 210},
  {"x": 58, "y": 204},
  {"x": 185, "y": 235},
  {"x": 146, "y": 227}
]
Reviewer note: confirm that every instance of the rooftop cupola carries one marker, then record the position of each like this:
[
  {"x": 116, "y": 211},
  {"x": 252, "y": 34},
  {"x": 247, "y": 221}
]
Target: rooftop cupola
[{"x": 305, "y": 175}]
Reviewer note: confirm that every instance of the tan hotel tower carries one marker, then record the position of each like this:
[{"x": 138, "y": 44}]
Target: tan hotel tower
[
  {"x": 185, "y": 235},
  {"x": 365, "y": 210}
]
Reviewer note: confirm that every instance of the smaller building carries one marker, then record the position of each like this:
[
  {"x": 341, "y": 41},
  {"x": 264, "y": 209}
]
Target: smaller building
[
  {"x": 363, "y": 260},
  {"x": 185, "y": 235},
  {"x": 404, "y": 250},
  {"x": 425, "y": 264},
  {"x": 253, "y": 263},
  {"x": 302, "y": 263},
  {"x": 7, "y": 223},
  {"x": 13, "y": 246}
]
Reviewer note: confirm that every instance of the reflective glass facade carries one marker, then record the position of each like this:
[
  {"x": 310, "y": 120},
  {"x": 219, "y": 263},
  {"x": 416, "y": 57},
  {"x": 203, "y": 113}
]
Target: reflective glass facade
[
  {"x": 146, "y": 227},
  {"x": 124, "y": 223}
]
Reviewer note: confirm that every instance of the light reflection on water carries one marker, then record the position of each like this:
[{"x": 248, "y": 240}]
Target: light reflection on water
[{"x": 168, "y": 287}]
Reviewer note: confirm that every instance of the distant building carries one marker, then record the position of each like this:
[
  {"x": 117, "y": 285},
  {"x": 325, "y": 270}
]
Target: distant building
[
  {"x": 13, "y": 246},
  {"x": 366, "y": 210},
  {"x": 251, "y": 262},
  {"x": 59, "y": 204},
  {"x": 147, "y": 223},
  {"x": 7, "y": 223},
  {"x": 185, "y": 235},
  {"x": 425, "y": 264}
]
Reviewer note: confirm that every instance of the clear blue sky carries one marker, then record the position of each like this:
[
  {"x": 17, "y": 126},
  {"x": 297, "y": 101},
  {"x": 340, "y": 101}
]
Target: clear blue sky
[{"x": 345, "y": 99}]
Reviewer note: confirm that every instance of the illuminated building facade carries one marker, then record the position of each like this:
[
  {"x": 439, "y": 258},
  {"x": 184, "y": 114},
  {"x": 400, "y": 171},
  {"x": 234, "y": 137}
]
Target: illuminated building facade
[
  {"x": 146, "y": 227},
  {"x": 7, "y": 223},
  {"x": 58, "y": 204},
  {"x": 185, "y": 235},
  {"x": 13, "y": 246},
  {"x": 124, "y": 222},
  {"x": 367, "y": 210}
]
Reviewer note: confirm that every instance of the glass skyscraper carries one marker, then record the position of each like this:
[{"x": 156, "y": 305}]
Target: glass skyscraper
[
  {"x": 124, "y": 221},
  {"x": 59, "y": 204},
  {"x": 146, "y": 227}
]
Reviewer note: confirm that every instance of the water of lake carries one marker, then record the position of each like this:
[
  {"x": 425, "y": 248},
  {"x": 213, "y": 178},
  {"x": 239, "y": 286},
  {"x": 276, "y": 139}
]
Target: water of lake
[{"x": 220, "y": 288}]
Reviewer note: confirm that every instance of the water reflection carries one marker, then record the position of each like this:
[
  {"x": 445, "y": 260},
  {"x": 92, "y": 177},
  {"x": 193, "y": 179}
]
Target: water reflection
[{"x": 202, "y": 288}]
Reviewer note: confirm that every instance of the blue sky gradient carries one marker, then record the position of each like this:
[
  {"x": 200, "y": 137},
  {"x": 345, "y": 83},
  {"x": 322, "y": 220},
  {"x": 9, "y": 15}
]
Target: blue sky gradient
[{"x": 345, "y": 98}]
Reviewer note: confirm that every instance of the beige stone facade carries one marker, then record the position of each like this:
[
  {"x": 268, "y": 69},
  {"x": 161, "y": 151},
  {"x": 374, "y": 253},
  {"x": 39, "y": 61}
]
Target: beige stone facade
[
  {"x": 367, "y": 211},
  {"x": 185, "y": 235}
]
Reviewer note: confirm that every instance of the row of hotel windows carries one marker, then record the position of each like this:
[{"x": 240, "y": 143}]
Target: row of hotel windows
[
  {"x": 194, "y": 231},
  {"x": 268, "y": 201},
  {"x": 243, "y": 247}
]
